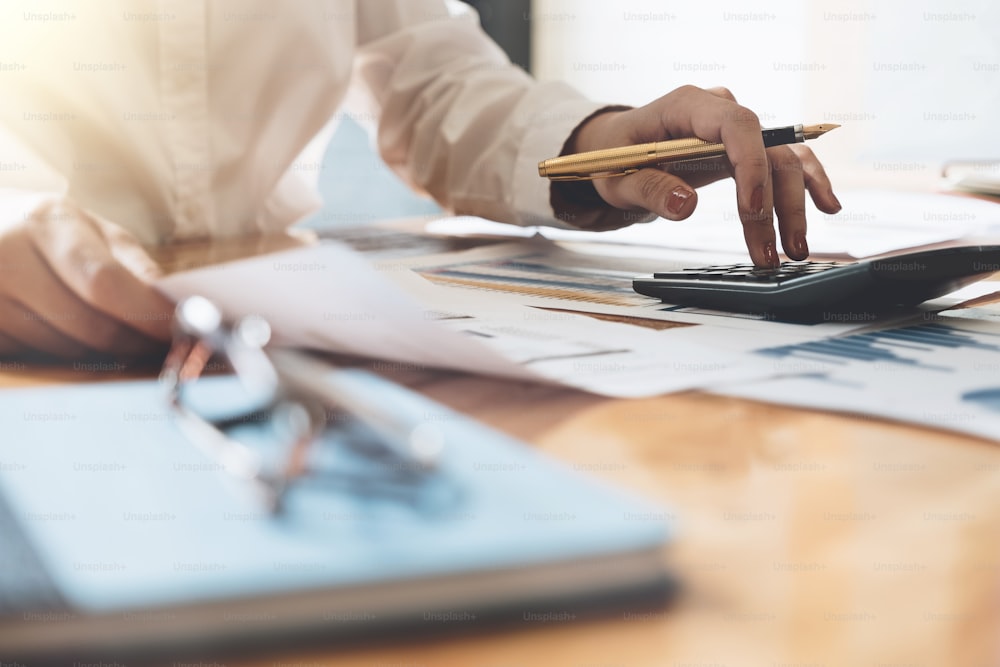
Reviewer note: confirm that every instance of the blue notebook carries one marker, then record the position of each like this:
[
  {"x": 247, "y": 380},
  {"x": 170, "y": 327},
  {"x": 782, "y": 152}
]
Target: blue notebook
[{"x": 117, "y": 532}]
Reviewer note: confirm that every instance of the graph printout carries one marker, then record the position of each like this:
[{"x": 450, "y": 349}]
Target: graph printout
[
  {"x": 943, "y": 372},
  {"x": 546, "y": 275}
]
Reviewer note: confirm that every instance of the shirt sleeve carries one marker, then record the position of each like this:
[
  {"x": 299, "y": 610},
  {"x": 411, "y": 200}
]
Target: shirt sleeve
[{"x": 455, "y": 118}]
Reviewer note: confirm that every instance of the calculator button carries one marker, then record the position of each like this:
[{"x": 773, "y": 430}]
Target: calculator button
[
  {"x": 690, "y": 275},
  {"x": 748, "y": 273}
]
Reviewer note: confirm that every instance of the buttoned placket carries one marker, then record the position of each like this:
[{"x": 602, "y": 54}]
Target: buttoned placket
[{"x": 184, "y": 67}]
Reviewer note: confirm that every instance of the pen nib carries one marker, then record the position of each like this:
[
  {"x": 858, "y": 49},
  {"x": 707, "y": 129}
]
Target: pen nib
[{"x": 813, "y": 131}]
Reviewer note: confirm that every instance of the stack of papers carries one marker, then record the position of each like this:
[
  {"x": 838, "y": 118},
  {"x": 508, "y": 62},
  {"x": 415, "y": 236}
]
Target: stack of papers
[
  {"x": 976, "y": 177},
  {"x": 521, "y": 309},
  {"x": 328, "y": 298},
  {"x": 872, "y": 222}
]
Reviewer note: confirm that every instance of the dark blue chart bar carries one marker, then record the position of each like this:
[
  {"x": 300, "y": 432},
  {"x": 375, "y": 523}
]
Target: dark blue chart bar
[{"x": 907, "y": 346}]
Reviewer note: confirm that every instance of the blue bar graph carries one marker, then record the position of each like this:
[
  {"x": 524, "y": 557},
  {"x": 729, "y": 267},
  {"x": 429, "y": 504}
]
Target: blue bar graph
[{"x": 909, "y": 346}]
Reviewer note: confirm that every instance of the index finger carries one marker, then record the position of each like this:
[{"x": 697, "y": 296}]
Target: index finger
[{"x": 699, "y": 113}]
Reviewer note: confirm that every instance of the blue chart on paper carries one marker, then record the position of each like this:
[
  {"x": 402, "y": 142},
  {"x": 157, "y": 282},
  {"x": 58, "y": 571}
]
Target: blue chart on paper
[
  {"x": 984, "y": 398},
  {"x": 908, "y": 346},
  {"x": 943, "y": 373},
  {"x": 535, "y": 276}
]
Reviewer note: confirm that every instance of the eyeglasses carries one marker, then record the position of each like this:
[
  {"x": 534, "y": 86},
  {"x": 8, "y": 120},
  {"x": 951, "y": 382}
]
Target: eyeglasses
[{"x": 279, "y": 421}]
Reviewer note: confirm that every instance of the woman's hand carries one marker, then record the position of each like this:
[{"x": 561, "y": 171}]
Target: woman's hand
[
  {"x": 768, "y": 181},
  {"x": 73, "y": 287}
]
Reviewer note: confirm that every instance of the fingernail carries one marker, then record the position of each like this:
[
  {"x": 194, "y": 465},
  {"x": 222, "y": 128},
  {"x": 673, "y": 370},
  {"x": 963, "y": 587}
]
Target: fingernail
[
  {"x": 678, "y": 199},
  {"x": 800, "y": 245},
  {"x": 835, "y": 200},
  {"x": 771, "y": 255},
  {"x": 757, "y": 201}
]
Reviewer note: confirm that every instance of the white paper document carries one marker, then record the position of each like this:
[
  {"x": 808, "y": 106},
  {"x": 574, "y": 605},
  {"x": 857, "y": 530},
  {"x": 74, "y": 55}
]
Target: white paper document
[
  {"x": 327, "y": 297},
  {"x": 872, "y": 222}
]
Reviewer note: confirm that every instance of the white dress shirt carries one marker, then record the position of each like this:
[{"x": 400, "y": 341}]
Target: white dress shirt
[{"x": 182, "y": 119}]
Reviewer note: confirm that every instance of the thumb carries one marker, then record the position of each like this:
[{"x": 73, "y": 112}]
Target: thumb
[{"x": 664, "y": 194}]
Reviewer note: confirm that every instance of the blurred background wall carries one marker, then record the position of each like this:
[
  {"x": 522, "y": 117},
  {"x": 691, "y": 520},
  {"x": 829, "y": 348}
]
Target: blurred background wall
[{"x": 913, "y": 82}]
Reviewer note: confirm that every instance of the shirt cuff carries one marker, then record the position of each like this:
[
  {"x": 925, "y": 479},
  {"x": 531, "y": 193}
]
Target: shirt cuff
[{"x": 545, "y": 137}]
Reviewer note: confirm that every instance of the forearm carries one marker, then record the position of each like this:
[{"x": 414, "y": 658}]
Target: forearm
[{"x": 458, "y": 121}]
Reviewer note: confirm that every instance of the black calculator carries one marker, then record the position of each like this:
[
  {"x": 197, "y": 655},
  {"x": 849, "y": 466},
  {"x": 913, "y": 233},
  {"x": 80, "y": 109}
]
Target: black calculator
[{"x": 811, "y": 291}]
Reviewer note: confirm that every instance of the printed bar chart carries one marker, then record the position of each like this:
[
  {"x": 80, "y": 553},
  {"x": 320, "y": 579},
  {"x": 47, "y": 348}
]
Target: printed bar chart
[{"x": 910, "y": 346}]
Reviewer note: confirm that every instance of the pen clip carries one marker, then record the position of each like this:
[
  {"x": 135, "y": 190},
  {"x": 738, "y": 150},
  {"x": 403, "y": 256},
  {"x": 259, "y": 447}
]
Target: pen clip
[{"x": 591, "y": 177}]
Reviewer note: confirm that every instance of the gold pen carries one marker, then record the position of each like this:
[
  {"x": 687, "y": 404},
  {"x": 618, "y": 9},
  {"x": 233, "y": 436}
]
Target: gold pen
[{"x": 629, "y": 159}]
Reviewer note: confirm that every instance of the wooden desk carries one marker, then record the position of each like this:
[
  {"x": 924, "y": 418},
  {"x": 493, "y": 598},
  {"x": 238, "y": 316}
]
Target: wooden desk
[{"x": 804, "y": 538}]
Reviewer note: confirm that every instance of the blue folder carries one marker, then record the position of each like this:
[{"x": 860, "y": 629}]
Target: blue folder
[{"x": 118, "y": 531}]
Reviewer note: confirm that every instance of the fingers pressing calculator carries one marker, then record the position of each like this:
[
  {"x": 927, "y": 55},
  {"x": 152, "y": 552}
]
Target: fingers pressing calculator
[{"x": 810, "y": 291}]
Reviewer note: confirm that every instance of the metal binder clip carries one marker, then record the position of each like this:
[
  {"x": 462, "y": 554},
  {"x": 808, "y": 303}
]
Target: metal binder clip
[{"x": 267, "y": 430}]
